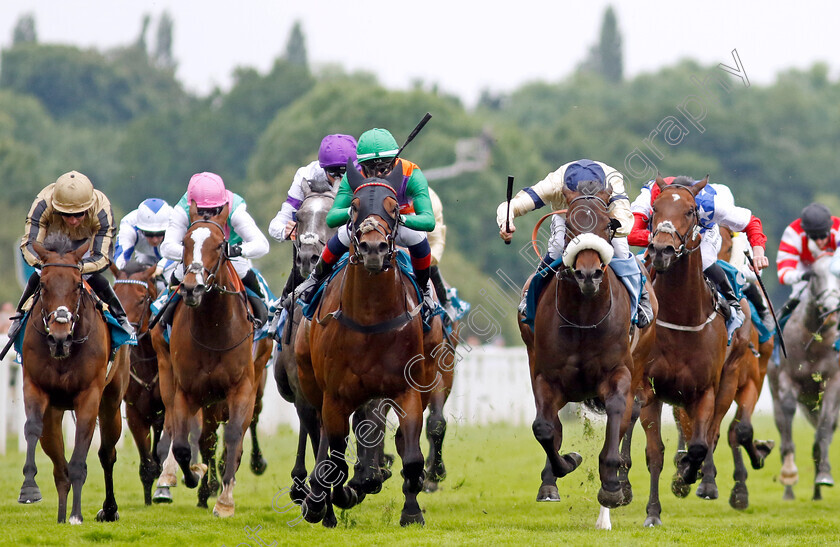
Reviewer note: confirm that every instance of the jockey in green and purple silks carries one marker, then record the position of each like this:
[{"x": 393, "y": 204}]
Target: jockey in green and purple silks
[{"x": 377, "y": 156}]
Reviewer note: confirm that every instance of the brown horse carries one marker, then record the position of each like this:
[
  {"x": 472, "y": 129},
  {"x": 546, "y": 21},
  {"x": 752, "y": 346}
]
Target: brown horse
[
  {"x": 366, "y": 342},
  {"x": 211, "y": 351},
  {"x": 144, "y": 409},
  {"x": 65, "y": 367},
  {"x": 580, "y": 348},
  {"x": 744, "y": 371},
  {"x": 808, "y": 377},
  {"x": 687, "y": 362}
]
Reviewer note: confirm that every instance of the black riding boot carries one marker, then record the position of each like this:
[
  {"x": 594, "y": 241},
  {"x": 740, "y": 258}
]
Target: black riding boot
[
  {"x": 753, "y": 294},
  {"x": 645, "y": 310},
  {"x": 428, "y": 302},
  {"x": 257, "y": 303},
  {"x": 307, "y": 289},
  {"x": 106, "y": 293},
  {"x": 717, "y": 276},
  {"x": 440, "y": 287}
]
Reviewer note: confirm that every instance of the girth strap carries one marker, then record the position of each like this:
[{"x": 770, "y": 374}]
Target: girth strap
[{"x": 376, "y": 328}]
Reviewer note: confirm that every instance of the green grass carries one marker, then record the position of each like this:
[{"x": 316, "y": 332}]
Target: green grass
[{"x": 488, "y": 498}]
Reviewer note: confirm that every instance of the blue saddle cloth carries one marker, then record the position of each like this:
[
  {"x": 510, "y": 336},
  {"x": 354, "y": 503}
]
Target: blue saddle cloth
[
  {"x": 268, "y": 299},
  {"x": 402, "y": 261},
  {"x": 119, "y": 336},
  {"x": 738, "y": 281}
]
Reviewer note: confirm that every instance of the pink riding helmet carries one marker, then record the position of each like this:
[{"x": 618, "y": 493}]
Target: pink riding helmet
[{"x": 207, "y": 190}]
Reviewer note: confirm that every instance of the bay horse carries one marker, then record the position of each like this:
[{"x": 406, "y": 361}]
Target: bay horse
[
  {"x": 744, "y": 371},
  {"x": 65, "y": 352},
  {"x": 210, "y": 351},
  {"x": 580, "y": 348},
  {"x": 366, "y": 342},
  {"x": 809, "y": 375},
  {"x": 144, "y": 410},
  {"x": 312, "y": 234},
  {"x": 691, "y": 341}
]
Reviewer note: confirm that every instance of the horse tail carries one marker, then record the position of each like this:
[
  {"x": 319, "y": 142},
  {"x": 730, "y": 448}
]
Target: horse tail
[{"x": 596, "y": 405}]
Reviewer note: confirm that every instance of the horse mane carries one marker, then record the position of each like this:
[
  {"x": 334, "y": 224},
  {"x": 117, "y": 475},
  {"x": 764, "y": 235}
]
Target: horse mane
[
  {"x": 590, "y": 187},
  {"x": 133, "y": 267},
  {"x": 683, "y": 180},
  {"x": 58, "y": 242},
  {"x": 319, "y": 186}
]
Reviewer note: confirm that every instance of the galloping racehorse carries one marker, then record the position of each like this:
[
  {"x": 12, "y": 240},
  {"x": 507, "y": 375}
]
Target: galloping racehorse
[
  {"x": 366, "y": 342},
  {"x": 136, "y": 289},
  {"x": 581, "y": 349},
  {"x": 210, "y": 350},
  {"x": 312, "y": 235},
  {"x": 809, "y": 375},
  {"x": 65, "y": 367},
  {"x": 688, "y": 359}
]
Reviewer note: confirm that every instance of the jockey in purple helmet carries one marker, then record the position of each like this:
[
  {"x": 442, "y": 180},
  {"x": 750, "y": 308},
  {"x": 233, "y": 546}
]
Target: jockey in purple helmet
[{"x": 326, "y": 171}]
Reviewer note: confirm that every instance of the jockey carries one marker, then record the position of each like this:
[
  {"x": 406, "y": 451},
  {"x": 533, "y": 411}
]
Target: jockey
[
  {"x": 141, "y": 233},
  {"x": 377, "y": 156},
  {"x": 437, "y": 243},
  {"x": 245, "y": 240},
  {"x": 328, "y": 169},
  {"x": 712, "y": 210},
  {"x": 72, "y": 206},
  {"x": 549, "y": 190},
  {"x": 815, "y": 232}
]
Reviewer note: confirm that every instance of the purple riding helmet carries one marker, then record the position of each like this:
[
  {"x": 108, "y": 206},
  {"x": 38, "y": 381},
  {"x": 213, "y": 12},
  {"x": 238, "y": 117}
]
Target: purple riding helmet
[{"x": 336, "y": 150}]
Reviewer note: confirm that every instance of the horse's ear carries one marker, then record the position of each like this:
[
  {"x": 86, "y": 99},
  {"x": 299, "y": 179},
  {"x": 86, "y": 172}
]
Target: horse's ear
[
  {"x": 395, "y": 177},
  {"x": 79, "y": 253},
  {"x": 354, "y": 178},
  {"x": 305, "y": 187},
  {"x": 696, "y": 188},
  {"x": 223, "y": 215},
  {"x": 660, "y": 181},
  {"x": 40, "y": 250},
  {"x": 193, "y": 211},
  {"x": 149, "y": 273},
  {"x": 569, "y": 194}
]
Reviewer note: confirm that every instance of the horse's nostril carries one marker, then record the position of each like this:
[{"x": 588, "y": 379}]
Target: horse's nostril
[
  {"x": 314, "y": 259},
  {"x": 383, "y": 247},
  {"x": 364, "y": 247}
]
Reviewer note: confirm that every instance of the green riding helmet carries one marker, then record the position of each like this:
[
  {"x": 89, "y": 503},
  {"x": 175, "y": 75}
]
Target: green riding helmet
[{"x": 376, "y": 143}]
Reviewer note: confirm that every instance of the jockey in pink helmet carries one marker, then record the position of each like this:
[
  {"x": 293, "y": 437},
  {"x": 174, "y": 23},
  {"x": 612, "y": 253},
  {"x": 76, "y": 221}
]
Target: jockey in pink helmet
[{"x": 245, "y": 240}]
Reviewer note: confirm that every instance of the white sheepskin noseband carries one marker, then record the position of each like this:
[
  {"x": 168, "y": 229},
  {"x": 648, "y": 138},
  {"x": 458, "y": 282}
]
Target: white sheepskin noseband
[{"x": 587, "y": 241}]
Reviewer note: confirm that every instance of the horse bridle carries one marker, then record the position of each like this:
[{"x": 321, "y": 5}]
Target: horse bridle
[
  {"x": 566, "y": 273},
  {"x": 198, "y": 269},
  {"x": 147, "y": 311},
  {"x": 668, "y": 227},
  {"x": 368, "y": 224},
  {"x": 62, "y": 314}
]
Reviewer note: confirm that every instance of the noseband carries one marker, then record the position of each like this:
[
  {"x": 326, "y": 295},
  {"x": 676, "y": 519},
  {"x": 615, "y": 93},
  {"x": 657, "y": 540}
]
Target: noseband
[
  {"x": 62, "y": 314},
  {"x": 198, "y": 269},
  {"x": 375, "y": 196},
  {"x": 667, "y": 227},
  {"x": 146, "y": 300}
]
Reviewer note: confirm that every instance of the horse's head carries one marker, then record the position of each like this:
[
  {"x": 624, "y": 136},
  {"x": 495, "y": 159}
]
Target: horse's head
[
  {"x": 675, "y": 223},
  {"x": 135, "y": 287},
  {"x": 61, "y": 290},
  {"x": 312, "y": 230},
  {"x": 588, "y": 232},
  {"x": 374, "y": 216},
  {"x": 205, "y": 245},
  {"x": 824, "y": 290}
]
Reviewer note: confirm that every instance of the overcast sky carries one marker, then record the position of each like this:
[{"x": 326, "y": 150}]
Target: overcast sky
[{"x": 463, "y": 46}]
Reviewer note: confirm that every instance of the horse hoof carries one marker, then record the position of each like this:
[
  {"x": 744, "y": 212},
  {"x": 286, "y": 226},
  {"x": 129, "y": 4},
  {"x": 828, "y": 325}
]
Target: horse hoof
[
  {"x": 548, "y": 492},
  {"x": 788, "y": 495},
  {"x": 679, "y": 487},
  {"x": 788, "y": 478},
  {"x": 351, "y": 498},
  {"x": 386, "y": 474},
  {"x": 258, "y": 465},
  {"x": 387, "y": 461},
  {"x": 650, "y": 522},
  {"x": 627, "y": 492},
  {"x": 739, "y": 498},
  {"x": 313, "y": 512},
  {"x": 430, "y": 486},
  {"x": 298, "y": 493},
  {"x": 74, "y": 520},
  {"x": 197, "y": 471},
  {"x": 824, "y": 479},
  {"x": 707, "y": 491},
  {"x": 167, "y": 480},
  {"x": 573, "y": 458},
  {"x": 223, "y": 510},
  {"x": 763, "y": 448},
  {"x": 329, "y": 520},
  {"x": 610, "y": 500},
  {"x": 162, "y": 495},
  {"x": 102, "y": 516},
  {"x": 407, "y": 519},
  {"x": 30, "y": 494}
]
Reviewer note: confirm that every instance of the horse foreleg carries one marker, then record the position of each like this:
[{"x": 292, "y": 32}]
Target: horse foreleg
[
  {"x": 207, "y": 447},
  {"x": 87, "y": 407},
  {"x": 110, "y": 428},
  {"x": 368, "y": 470},
  {"x": 826, "y": 424},
  {"x": 784, "y": 407},
  {"x": 631, "y": 416},
  {"x": 182, "y": 412},
  {"x": 408, "y": 446},
  {"x": 52, "y": 441},
  {"x": 651, "y": 417},
  {"x": 240, "y": 403},
  {"x": 435, "y": 432},
  {"x": 614, "y": 393},
  {"x": 35, "y": 404},
  {"x": 258, "y": 463},
  {"x": 148, "y": 467},
  {"x": 549, "y": 431},
  {"x": 699, "y": 444},
  {"x": 317, "y": 505}
]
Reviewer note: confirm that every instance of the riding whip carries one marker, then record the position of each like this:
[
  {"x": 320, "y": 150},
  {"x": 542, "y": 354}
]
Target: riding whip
[
  {"x": 159, "y": 315},
  {"x": 9, "y": 344},
  {"x": 414, "y": 132},
  {"x": 769, "y": 303},
  {"x": 509, "y": 197}
]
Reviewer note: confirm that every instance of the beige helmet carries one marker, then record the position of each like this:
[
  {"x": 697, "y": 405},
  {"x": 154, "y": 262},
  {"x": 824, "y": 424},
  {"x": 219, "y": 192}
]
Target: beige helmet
[{"x": 73, "y": 193}]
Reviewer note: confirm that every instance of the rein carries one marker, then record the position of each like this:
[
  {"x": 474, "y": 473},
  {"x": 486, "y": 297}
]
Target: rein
[
  {"x": 572, "y": 323},
  {"x": 62, "y": 314}
]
